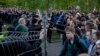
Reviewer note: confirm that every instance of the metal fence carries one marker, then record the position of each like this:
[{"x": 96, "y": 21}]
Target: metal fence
[{"x": 21, "y": 44}]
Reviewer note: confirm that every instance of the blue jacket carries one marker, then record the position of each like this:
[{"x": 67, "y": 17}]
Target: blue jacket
[{"x": 86, "y": 41}]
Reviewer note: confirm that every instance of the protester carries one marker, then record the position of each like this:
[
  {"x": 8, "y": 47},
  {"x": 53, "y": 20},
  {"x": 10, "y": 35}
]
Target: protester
[
  {"x": 78, "y": 29},
  {"x": 84, "y": 37},
  {"x": 94, "y": 50},
  {"x": 73, "y": 45},
  {"x": 21, "y": 27}
]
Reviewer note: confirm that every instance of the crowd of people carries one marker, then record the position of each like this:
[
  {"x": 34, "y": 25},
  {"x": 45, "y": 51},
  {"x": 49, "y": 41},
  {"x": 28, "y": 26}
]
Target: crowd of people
[{"x": 80, "y": 31}]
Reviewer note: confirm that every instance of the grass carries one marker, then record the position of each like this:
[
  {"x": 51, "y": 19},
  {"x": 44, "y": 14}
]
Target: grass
[
  {"x": 3, "y": 33},
  {"x": 4, "y": 28},
  {"x": 55, "y": 37}
]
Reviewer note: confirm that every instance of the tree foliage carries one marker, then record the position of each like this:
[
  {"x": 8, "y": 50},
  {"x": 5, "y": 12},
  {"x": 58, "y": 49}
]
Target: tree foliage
[{"x": 85, "y": 5}]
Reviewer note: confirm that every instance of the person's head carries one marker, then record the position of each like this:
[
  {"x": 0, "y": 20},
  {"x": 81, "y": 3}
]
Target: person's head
[
  {"x": 98, "y": 48},
  {"x": 36, "y": 17},
  {"x": 22, "y": 21},
  {"x": 70, "y": 32},
  {"x": 83, "y": 30},
  {"x": 34, "y": 21},
  {"x": 93, "y": 15},
  {"x": 98, "y": 35},
  {"x": 90, "y": 25}
]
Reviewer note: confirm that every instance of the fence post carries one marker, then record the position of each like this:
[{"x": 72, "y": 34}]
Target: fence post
[
  {"x": 44, "y": 19},
  {"x": 45, "y": 40}
]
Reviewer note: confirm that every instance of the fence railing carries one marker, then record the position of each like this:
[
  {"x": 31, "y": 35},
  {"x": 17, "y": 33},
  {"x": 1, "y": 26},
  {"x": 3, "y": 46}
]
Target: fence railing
[{"x": 21, "y": 43}]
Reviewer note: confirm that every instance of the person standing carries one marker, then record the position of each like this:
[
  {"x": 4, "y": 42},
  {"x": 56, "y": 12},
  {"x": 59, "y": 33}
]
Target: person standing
[
  {"x": 73, "y": 45},
  {"x": 21, "y": 28}
]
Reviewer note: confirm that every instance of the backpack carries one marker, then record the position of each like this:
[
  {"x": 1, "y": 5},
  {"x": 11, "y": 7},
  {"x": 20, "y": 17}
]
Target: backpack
[{"x": 79, "y": 45}]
